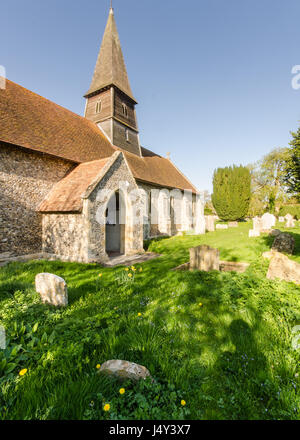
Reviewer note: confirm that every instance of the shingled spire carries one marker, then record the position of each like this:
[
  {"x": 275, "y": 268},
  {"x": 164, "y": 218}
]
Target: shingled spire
[
  {"x": 110, "y": 102},
  {"x": 110, "y": 67}
]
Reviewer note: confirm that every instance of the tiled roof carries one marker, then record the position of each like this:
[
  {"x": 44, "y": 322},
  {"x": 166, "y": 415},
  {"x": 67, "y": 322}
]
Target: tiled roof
[
  {"x": 31, "y": 121},
  {"x": 158, "y": 170},
  {"x": 28, "y": 120},
  {"x": 66, "y": 195}
]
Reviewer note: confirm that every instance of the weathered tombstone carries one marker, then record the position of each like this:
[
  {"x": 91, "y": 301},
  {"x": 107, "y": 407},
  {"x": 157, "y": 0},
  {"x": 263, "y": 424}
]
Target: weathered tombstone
[
  {"x": 284, "y": 242},
  {"x": 233, "y": 224},
  {"x": 254, "y": 233},
  {"x": 124, "y": 370},
  {"x": 281, "y": 219},
  {"x": 268, "y": 221},
  {"x": 52, "y": 289},
  {"x": 204, "y": 258},
  {"x": 283, "y": 268},
  {"x": 257, "y": 224},
  {"x": 210, "y": 223},
  {"x": 220, "y": 226},
  {"x": 290, "y": 222}
]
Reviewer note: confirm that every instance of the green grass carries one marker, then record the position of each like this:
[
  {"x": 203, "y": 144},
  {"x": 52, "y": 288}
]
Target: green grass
[{"x": 231, "y": 358}]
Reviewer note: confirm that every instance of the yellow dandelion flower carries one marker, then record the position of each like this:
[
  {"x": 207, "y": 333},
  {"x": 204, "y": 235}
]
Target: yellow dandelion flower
[
  {"x": 141, "y": 269},
  {"x": 122, "y": 391},
  {"x": 106, "y": 407},
  {"x": 183, "y": 402},
  {"x": 139, "y": 314},
  {"x": 200, "y": 304},
  {"x": 126, "y": 268},
  {"x": 23, "y": 372},
  {"x": 133, "y": 268},
  {"x": 98, "y": 366},
  {"x": 100, "y": 275},
  {"x": 130, "y": 275}
]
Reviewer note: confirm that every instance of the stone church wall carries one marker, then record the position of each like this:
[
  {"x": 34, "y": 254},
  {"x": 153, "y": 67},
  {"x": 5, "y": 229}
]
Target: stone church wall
[
  {"x": 133, "y": 239},
  {"x": 81, "y": 237},
  {"x": 164, "y": 223},
  {"x": 65, "y": 236},
  {"x": 25, "y": 179}
]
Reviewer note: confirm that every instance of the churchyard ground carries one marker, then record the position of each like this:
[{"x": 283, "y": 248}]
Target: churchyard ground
[{"x": 219, "y": 345}]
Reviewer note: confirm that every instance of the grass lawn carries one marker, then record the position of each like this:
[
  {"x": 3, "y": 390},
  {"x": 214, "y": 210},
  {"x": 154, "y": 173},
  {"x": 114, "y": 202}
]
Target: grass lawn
[{"x": 220, "y": 341}]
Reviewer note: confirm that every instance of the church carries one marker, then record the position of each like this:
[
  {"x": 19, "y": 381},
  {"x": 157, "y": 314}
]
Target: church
[{"x": 82, "y": 188}]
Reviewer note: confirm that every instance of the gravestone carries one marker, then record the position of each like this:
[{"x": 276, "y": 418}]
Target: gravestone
[
  {"x": 254, "y": 233},
  {"x": 200, "y": 225},
  {"x": 284, "y": 242},
  {"x": 290, "y": 222},
  {"x": 257, "y": 224},
  {"x": 233, "y": 224},
  {"x": 210, "y": 223},
  {"x": 268, "y": 221},
  {"x": 204, "y": 258},
  {"x": 218, "y": 226},
  {"x": 52, "y": 289}
]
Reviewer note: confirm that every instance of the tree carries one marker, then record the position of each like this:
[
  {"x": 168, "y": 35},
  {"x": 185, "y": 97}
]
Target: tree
[
  {"x": 268, "y": 185},
  {"x": 292, "y": 177},
  {"x": 231, "y": 192}
]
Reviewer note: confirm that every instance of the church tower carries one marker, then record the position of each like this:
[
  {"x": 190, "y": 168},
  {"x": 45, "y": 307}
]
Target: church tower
[{"x": 109, "y": 101}]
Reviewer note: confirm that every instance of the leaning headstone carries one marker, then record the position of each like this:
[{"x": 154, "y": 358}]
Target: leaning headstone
[
  {"x": 284, "y": 243},
  {"x": 204, "y": 258},
  {"x": 52, "y": 289},
  {"x": 283, "y": 268},
  {"x": 268, "y": 221},
  {"x": 220, "y": 226},
  {"x": 210, "y": 223},
  {"x": 233, "y": 224},
  {"x": 281, "y": 219},
  {"x": 124, "y": 370},
  {"x": 290, "y": 222}
]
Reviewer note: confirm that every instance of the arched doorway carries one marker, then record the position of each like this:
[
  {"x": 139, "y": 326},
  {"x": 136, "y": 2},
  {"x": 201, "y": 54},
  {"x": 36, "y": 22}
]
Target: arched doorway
[{"x": 115, "y": 216}]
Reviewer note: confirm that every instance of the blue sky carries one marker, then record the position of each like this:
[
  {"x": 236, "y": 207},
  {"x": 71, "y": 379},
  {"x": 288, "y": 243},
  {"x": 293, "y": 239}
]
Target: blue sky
[{"x": 212, "y": 77}]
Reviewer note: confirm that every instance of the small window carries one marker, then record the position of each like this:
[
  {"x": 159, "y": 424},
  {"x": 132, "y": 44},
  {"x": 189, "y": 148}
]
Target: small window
[
  {"x": 98, "y": 106},
  {"x": 125, "y": 110},
  {"x": 127, "y": 134}
]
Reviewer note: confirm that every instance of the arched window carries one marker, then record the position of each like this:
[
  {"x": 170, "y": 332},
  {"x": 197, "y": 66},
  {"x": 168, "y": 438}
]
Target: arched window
[
  {"x": 125, "y": 110},
  {"x": 98, "y": 106}
]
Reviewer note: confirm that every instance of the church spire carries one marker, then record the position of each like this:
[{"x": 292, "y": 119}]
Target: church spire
[{"x": 110, "y": 67}]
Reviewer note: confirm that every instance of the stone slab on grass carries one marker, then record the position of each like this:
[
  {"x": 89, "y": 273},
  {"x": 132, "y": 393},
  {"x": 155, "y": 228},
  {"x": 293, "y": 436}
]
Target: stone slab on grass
[
  {"x": 220, "y": 226},
  {"x": 124, "y": 370},
  {"x": 232, "y": 266},
  {"x": 281, "y": 267},
  {"x": 52, "y": 289},
  {"x": 254, "y": 233}
]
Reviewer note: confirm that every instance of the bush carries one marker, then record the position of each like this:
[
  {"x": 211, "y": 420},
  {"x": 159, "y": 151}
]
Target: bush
[
  {"x": 232, "y": 192},
  {"x": 290, "y": 209}
]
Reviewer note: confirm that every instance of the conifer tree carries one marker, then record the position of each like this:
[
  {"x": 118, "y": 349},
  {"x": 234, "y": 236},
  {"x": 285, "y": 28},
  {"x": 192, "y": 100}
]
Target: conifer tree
[{"x": 231, "y": 192}]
